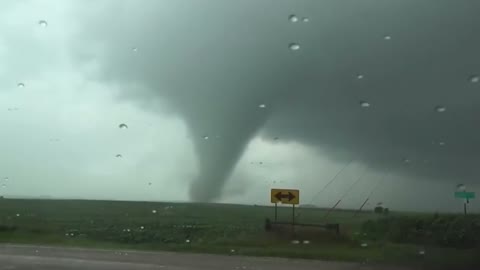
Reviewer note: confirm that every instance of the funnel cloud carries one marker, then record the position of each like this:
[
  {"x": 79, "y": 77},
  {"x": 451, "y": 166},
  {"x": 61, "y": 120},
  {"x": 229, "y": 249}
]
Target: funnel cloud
[{"x": 214, "y": 64}]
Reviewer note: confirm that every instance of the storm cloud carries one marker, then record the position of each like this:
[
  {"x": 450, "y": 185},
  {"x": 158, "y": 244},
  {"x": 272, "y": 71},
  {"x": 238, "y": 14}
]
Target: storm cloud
[
  {"x": 216, "y": 98},
  {"x": 217, "y": 62}
]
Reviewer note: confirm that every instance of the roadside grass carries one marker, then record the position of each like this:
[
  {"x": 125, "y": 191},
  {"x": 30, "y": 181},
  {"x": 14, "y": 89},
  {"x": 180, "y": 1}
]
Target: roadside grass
[{"x": 209, "y": 228}]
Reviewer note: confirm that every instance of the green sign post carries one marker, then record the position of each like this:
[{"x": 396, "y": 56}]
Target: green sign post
[{"x": 466, "y": 196}]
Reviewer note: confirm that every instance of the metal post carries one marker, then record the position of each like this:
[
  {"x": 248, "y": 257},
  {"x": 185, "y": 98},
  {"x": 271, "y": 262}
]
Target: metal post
[
  {"x": 275, "y": 212},
  {"x": 293, "y": 214},
  {"x": 465, "y": 207}
]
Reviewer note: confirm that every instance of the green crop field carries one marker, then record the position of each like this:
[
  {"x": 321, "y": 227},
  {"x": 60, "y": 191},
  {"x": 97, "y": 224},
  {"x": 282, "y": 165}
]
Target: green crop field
[{"x": 211, "y": 228}]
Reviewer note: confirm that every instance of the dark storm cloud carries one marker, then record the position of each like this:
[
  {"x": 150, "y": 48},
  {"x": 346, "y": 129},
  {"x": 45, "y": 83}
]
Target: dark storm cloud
[{"x": 215, "y": 62}]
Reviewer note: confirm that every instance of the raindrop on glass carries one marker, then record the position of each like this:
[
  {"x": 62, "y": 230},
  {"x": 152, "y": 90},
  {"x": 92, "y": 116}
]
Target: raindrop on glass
[
  {"x": 134, "y": 49},
  {"x": 364, "y": 104},
  {"x": 295, "y": 242},
  {"x": 4, "y": 185},
  {"x": 474, "y": 79},
  {"x": 305, "y": 19},
  {"x": 293, "y": 18},
  {"x": 275, "y": 139},
  {"x": 364, "y": 245},
  {"x": 36, "y": 250},
  {"x": 187, "y": 241},
  {"x": 17, "y": 215},
  {"x": 123, "y": 126},
  {"x": 232, "y": 250},
  {"x": 406, "y": 160},
  {"x": 360, "y": 76},
  {"x": 5, "y": 179},
  {"x": 141, "y": 227},
  {"x": 440, "y": 109},
  {"x": 306, "y": 242},
  {"x": 20, "y": 85},
  {"x": 154, "y": 211},
  {"x": 421, "y": 252},
  {"x": 262, "y": 106},
  {"x": 43, "y": 23},
  {"x": 387, "y": 37},
  {"x": 118, "y": 156},
  {"x": 461, "y": 187},
  {"x": 441, "y": 143},
  {"x": 294, "y": 46},
  {"x": 206, "y": 137},
  {"x": 149, "y": 183}
]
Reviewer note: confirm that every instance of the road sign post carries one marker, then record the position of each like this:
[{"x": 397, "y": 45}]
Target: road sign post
[
  {"x": 285, "y": 196},
  {"x": 275, "y": 212},
  {"x": 466, "y": 196}
]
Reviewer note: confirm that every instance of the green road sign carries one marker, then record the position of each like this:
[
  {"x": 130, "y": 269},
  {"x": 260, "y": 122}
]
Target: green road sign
[{"x": 464, "y": 195}]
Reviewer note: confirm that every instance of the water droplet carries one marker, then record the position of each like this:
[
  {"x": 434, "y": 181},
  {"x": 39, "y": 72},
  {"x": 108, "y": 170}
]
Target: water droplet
[
  {"x": 20, "y": 85},
  {"x": 441, "y": 143},
  {"x": 421, "y": 252},
  {"x": 262, "y": 106},
  {"x": 306, "y": 242},
  {"x": 364, "y": 104},
  {"x": 461, "y": 187},
  {"x": 363, "y": 245},
  {"x": 275, "y": 138},
  {"x": 305, "y": 19},
  {"x": 474, "y": 79},
  {"x": 294, "y": 46},
  {"x": 154, "y": 211},
  {"x": 406, "y": 160},
  {"x": 206, "y": 137},
  {"x": 360, "y": 76},
  {"x": 17, "y": 215},
  {"x": 43, "y": 23},
  {"x": 5, "y": 179},
  {"x": 293, "y": 18},
  {"x": 128, "y": 230},
  {"x": 142, "y": 228},
  {"x": 134, "y": 49},
  {"x": 232, "y": 250},
  {"x": 187, "y": 241},
  {"x": 66, "y": 234},
  {"x": 149, "y": 183},
  {"x": 387, "y": 37},
  {"x": 440, "y": 109},
  {"x": 4, "y": 185},
  {"x": 295, "y": 242},
  {"x": 36, "y": 250},
  {"x": 123, "y": 126},
  {"x": 118, "y": 156}
]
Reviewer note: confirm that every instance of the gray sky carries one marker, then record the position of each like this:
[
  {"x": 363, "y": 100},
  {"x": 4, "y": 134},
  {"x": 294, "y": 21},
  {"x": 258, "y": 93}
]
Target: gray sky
[{"x": 177, "y": 72}]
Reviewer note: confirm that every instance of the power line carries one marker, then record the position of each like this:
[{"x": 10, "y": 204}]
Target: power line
[{"x": 331, "y": 181}]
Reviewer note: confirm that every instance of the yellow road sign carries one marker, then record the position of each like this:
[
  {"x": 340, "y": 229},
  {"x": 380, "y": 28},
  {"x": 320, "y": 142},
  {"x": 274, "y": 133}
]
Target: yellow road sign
[{"x": 287, "y": 196}]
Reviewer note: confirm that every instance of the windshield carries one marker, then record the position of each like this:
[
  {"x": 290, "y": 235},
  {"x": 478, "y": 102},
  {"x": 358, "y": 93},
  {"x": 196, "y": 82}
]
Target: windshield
[{"x": 264, "y": 128}]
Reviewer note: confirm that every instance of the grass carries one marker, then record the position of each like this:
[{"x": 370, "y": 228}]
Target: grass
[{"x": 209, "y": 228}]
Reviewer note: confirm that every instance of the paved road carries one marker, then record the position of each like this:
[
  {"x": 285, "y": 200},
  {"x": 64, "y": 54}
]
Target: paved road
[{"x": 21, "y": 257}]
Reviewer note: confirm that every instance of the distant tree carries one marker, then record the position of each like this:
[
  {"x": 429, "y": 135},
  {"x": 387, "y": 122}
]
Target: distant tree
[{"x": 378, "y": 209}]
